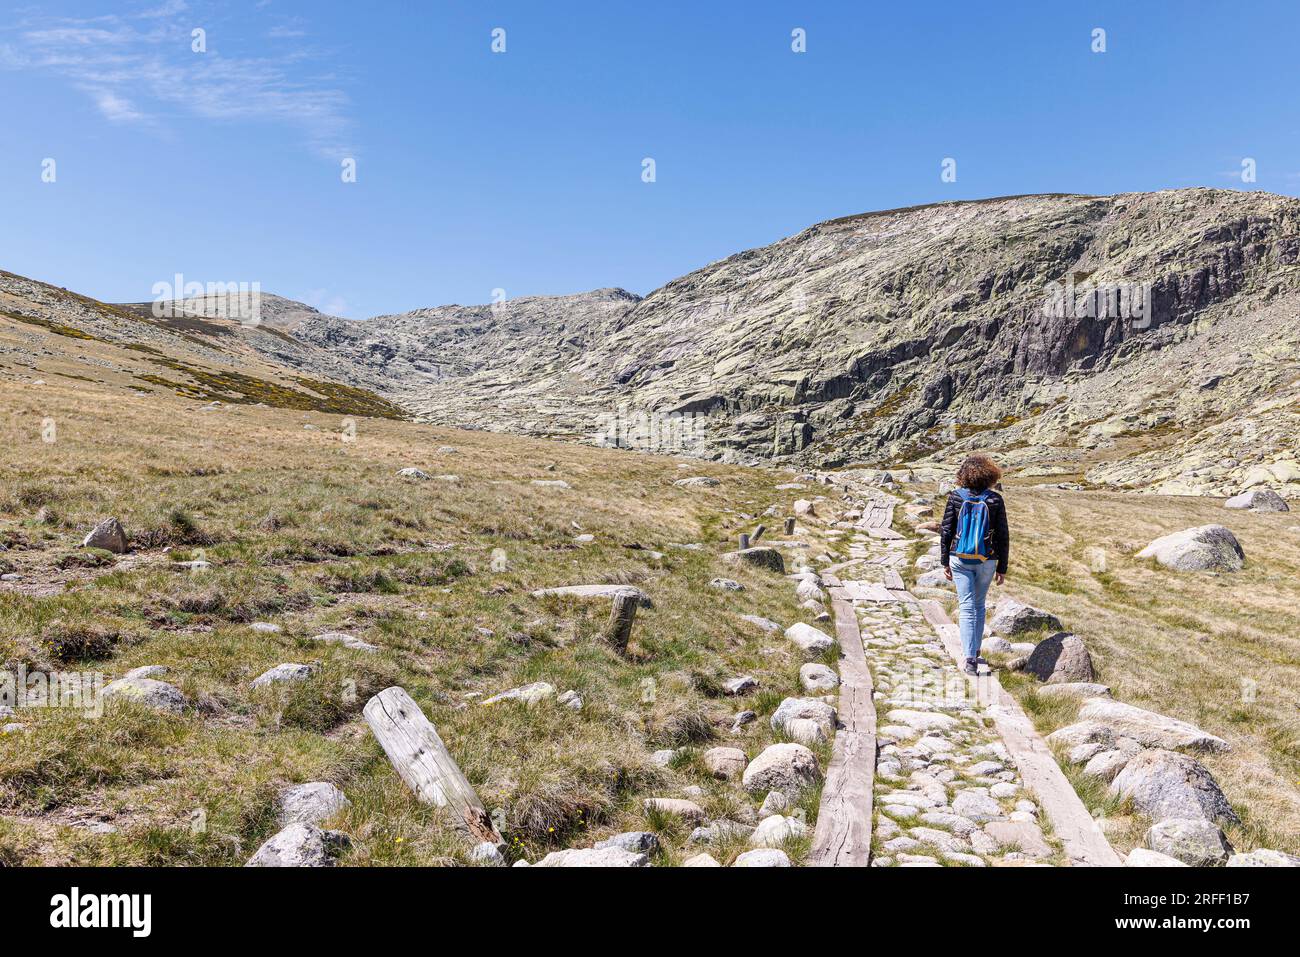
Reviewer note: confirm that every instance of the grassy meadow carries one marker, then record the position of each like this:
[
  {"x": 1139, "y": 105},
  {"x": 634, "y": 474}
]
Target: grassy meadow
[{"x": 313, "y": 533}]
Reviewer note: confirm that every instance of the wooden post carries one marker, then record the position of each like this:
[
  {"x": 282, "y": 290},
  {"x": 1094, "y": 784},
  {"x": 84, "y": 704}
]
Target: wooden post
[
  {"x": 789, "y": 526},
  {"x": 744, "y": 541},
  {"x": 758, "y": 533},
  {"x": 621, "y": 618},
  {"x": 423, "y": 762}
]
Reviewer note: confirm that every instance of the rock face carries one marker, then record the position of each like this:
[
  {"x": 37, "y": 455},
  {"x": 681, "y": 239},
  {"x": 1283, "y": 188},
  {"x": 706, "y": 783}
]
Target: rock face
[
  {"x": 1150, "y": 729},
  {"x": 108, "y": 535},
  {"x": 1166, "y": 784},
  {"x": 300, "y": 845},
  {"x": 1059, "y": 659},
  {"x": 1204, "y": 548},
  {"x": 1258, "y": 500},
  {"x": 1195, "y": 842},
  {"x": 788, "y": 768},
  {"x": 1012, "y": 617}
]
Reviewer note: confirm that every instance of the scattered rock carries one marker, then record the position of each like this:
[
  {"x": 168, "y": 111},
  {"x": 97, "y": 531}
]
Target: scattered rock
[
  {"x": 1082, "y": 732},
  {"x": 311, "y": 803},
  {"x": 814, "y": 676},
  {"x": 286, "y": 673},
  {"x": 1105, "y": 765},
  {"x": 347, "y": 641},
  {"x": 812, "y": 709},
  {"x": 698, "y": 481},
  {"x": 687, "y": 811},
  {"x": 108, "y": 535},
  {"x": 594, "y": 857},
  {"x": 774, "y": 803},
  {"x": 809, "y": 640},
  {"x": 266, "y": 627},
  {"x": 663, "y": 758},
  {"x": 571, "y": 700},
  {"x": 808, "y": 590},
  {"x": 763, "y": 857},
  {"x": 776, "y": 830},
  {"x": 788, "y": 768},
  {"x": 301, "y": 845},
  {"x": 1142, "y": 857},
  {"x": 1075, "y": 689},
  {"x": 487, "y": 854},
  {"x": 597, "y": 591},
  {"x": 638, "y": 842},
  {"x": 725, "y": 763},
  {"x": 1194, "y": 842},
  {"x": 1060, "y": 659},
  {"x": 760, "y": 556},
  {"x": 528, "y": 695},
  {"x": 743, "y": 684},
  {"x": 766, "y": 624},
  {"x": 1012, "y": 617},
  {"x": 559, "y": 484},
  {"x": 1204, "y": 548},
  {"x": 804, "y": 507},
  {"x": 934, "y": 579},
  {"x": 149, "y": 692},
  {"x": 413, "y": 473},
  {"x": 1263, "y": 858},
  {"x": 1164, "y": 784},
  {"x": 1258, "y": 500},
  {"x": 726, "y": 584},
  {"x": 1150, "y": 729},
  {"x": 701, "y": 860}
]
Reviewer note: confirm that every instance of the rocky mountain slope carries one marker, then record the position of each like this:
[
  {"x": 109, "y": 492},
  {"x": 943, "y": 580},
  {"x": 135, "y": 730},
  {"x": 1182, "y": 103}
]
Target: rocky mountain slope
[{"x": 902, "y": 337}]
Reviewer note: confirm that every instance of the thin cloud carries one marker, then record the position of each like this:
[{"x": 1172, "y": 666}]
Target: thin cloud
[{"x": 137, "y": 68}]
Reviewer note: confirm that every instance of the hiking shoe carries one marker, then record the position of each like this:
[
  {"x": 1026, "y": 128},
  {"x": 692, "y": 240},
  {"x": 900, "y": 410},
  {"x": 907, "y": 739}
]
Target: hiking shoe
[{"x": 971, "y": 667}]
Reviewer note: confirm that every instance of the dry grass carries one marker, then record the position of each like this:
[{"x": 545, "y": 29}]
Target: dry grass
[{"x": 315, "y": 534}]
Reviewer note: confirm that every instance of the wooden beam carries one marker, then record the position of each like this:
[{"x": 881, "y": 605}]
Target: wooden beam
[
  {"x": 842, "y": 837},
  {"x": 424, "y": 763},
  {"x": 621, "y": 617}
]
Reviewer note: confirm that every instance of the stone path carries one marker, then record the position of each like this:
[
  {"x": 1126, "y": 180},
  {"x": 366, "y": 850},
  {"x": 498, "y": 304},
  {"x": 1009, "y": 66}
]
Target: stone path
[{"x": 947, "y": 789}]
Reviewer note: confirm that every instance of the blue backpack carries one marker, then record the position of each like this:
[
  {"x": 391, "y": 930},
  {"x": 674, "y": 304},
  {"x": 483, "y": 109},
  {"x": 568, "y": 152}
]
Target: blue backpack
[{"x": 972, "y": 524}]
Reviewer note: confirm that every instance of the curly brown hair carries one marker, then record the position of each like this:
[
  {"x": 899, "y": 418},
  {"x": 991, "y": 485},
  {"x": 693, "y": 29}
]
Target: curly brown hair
[{"x": 978, "y": 473}]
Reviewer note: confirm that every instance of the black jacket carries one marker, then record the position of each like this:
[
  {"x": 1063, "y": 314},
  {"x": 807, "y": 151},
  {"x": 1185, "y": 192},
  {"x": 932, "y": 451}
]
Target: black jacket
[{"x": 997, "y": 538}]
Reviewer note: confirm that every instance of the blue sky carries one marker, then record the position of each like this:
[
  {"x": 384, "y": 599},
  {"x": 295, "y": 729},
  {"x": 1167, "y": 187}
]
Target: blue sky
[{"x": 523, "y": 170}]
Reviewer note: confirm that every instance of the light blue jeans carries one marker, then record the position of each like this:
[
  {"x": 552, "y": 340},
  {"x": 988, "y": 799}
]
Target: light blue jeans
[{"x": 972, "y": 579}]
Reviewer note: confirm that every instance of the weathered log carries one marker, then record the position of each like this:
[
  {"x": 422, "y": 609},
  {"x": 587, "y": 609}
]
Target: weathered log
[
  {"x": 620, "y": 620},
  {"x": 424, "y": 763}
]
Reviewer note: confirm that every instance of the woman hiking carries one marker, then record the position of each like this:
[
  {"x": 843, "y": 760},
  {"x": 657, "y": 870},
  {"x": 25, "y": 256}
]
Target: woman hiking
[{"x": 974, "y": 542}]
